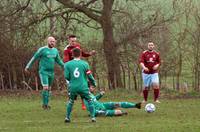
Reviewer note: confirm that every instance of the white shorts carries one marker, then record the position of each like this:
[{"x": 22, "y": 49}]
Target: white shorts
[{"x": 149, "y": 79}]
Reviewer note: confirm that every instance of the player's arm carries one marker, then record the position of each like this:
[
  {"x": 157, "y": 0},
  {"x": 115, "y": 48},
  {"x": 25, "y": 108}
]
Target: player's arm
[
  {"x": 66, "y": 56},
  {"x": 59, "y": 60},
  {"x": 144, "y": 67},
  {"x": 90, "y": 76},
  {"x": 141, "y": 62},
  {"x": 100, "y": 95},
  {"x": 33, "y": 59},
  {"x": 84, "y": 53},
  {"x": 87, "y": 54},
  {"x": 155, "y": 67},
  {"x": 159, "y": 60},
  {"x": 66, "y": 73}
]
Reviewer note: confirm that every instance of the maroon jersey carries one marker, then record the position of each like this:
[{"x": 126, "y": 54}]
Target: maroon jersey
[
  {"x": 68, "y": 52},
  {"x": 150, "y": 59}
]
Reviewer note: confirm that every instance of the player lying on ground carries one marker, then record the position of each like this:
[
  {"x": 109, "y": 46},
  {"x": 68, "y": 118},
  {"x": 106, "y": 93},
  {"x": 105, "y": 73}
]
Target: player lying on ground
[{"x": 109, "y": 108}]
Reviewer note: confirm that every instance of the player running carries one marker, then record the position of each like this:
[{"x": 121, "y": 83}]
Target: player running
[
  {"x": 150, "y": 63},
  {"x": 72, "y": 39},
  {"x": 77, "y": 72},
  {"x": 47, "y": 57},
  {"x": 109, "y": 108}
]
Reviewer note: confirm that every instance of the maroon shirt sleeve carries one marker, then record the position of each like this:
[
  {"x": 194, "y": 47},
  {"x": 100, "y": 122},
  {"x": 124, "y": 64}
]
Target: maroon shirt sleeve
[
  {"x": 141, "y": 59},
  {"x": 66, "y": 57},
  {"x": 85, "y": 54},
  {"x": 158, "y": 58}
]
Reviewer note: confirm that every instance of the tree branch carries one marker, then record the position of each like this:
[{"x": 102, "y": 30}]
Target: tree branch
[
  {"x": 19, "y": 9},
  {"x": 86, "y": 23},
  {"x": 132, "y": 35},
  {"x": 87, "y": 11},
  {"x": 90, "y": 2}
]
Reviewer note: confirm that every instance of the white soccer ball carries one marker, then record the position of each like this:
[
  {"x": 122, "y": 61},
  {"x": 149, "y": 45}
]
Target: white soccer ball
[{"x": 149, "y": 108}]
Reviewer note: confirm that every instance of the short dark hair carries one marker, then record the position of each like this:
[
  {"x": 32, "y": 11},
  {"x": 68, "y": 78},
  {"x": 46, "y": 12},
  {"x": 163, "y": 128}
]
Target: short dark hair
[
  {"x": 71, "y": 36},
  {"x": 76, "y": 52}
]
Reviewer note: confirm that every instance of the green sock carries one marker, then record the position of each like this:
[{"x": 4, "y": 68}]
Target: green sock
[
  {"x": 69, "y": 108},
  {"x": 91, "y": 109},
  {"x": 45, "y": 97},
  {"x": 127, "y": 105}
]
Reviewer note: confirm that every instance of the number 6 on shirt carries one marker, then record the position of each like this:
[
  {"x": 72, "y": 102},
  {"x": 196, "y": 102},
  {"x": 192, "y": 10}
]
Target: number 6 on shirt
[{"x": 76, "y": 73}]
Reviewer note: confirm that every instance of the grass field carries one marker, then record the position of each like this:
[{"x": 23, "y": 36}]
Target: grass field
[{"x": 24, "y": 114}]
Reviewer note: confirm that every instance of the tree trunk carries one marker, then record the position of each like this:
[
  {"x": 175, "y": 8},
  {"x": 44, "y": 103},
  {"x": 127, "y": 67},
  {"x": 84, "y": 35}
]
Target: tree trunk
[
  {"x": 196, "y": 68},
  {"x": 36, "y": 84},
  {"x": 14, "y": 74},
  {"x": 110, "y": 46},
  {"x": 94, "y": 62},
  {"x": 178, "y": 74},
  {"x": 2, "y": 81},
  {"x": 124, "y": 75},
  {"x": 23, "y": 78},
  {"x": 9, "y": 77},
  {"x": 129, "y": 74},
  {"x": 52, "y": 20}
]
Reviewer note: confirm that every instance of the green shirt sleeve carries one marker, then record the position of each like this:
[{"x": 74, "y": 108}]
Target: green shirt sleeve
[
  {"x": 35, "y": 57},
  {"x": 98, "y": 96},
  {"x": 66, "y": 72},
  {"x": 90, "y": 76},
  {"x": 59, "y": 61}
]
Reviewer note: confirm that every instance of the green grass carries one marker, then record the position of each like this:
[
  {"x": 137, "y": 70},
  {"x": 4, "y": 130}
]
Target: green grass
[{"x": 24, "y": 114}]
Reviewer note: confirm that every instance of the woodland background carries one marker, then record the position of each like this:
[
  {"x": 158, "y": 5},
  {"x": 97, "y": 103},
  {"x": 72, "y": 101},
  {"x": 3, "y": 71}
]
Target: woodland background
[{"x": 117, "y": 29}]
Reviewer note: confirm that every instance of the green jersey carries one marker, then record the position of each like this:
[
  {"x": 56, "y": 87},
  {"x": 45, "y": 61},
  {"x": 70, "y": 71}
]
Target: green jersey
[
  {"x": 47, "y": 58},
  {"x": 97, "y": 105},
  {"x": 77, "y": 72}
]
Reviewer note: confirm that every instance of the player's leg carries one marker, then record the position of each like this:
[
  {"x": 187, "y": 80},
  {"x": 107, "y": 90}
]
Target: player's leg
[
  {"x": 146, "y": 84},
  {"x": 68, "y": 90},
  {"x": 86, "y": 95},
  {"x": 115, "y": 113},
  {"x": 82, "y": 102},
  {"x": 45, "y": 91},
  {"x": 50, "y": 83},
  {"x": 70, "y": 106},
  {"x": 120, "y": 112},
  {"x": 111, "y": 105},
  {"x": 129, "y": 105},
  {"x": 155, "y": 84},
  {"x": 83, "y": 105},
  {"x": 100, "y": 112},
  {"x": 114, "y": 105}
]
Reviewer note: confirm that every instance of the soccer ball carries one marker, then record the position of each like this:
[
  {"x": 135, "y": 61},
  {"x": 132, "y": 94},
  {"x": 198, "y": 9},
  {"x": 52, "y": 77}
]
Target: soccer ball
[{"x": 149, "y": 108}]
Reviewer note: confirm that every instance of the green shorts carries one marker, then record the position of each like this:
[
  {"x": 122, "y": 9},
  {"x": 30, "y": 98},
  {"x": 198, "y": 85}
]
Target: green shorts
[
  {"x": 85, "y": 94},
  {"x": 46, "y": 79}
]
